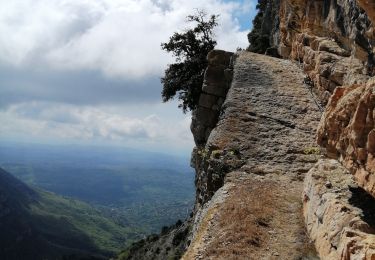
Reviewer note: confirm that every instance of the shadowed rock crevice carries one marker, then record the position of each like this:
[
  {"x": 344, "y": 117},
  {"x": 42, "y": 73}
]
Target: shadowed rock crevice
[{"x": 364, "y": 201}]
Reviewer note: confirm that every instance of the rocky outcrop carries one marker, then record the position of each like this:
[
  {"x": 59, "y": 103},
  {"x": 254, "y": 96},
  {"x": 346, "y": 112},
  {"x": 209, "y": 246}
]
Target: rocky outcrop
[
  {"x": 332, "y": 39},
  {"x": 347, "y": 130},
  {"x": 170, "y": 244},
  {"x": 217, "y": 79},
  {"x": 249, "y": 172},
  {"x": 225, "y": 151},
  {"x": 255, "y": 138},
  {"x": 339, "y": 215},
  {"x": 369, "y": 7}
]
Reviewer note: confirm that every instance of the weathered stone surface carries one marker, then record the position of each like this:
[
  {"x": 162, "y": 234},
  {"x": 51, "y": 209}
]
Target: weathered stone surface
[
  {"x": 207, "y": 101},
  {"x": 347, "y": 131},
  {"x": 216, "y": 83},
  {"x": 219, "y": 57},
  {"x": 266, "y": 105},
  {"x": 332, "y": 39},
  {"x": 339, "y": 216},
  {"x": 369, "y": 7},
  {"x": 261, "y": 138},
  {"x": 257, "y": 154}
]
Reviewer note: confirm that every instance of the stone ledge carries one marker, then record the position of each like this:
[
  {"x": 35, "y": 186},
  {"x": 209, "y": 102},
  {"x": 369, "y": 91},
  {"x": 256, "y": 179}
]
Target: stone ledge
[
  {"x": 339, "y": 216},
  {"x": 217, "y": 80}
]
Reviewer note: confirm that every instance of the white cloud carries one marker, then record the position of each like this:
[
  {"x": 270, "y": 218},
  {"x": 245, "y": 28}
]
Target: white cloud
[
  {"x": 70, "y": 68},
  {"x": 50, "y": 120},
  {"x": 120, "y": 38}
]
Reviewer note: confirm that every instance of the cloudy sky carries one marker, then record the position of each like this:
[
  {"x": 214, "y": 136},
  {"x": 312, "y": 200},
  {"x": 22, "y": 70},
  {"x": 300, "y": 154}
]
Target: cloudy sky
[{"x": 88, "y": 71}]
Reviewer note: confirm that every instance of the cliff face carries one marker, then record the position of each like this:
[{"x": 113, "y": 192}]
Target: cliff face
[
  {"x": 332, "y": 42},
  {"x": 332, "y": 39},
  {"x": 279, "y": 130},
  {"x": 217, "y": 80},
  {"x": 347, "y": 130},
  {"x": 251, "y": 168}
]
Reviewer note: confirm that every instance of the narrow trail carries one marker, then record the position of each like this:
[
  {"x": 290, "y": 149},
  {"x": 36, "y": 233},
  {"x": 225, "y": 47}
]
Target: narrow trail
[{"x": 270, "y": 118}]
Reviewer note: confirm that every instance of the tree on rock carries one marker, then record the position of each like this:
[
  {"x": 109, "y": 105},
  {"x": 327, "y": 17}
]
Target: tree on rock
[
  {"x": 185, "y": 77},
  {"x": 259, "y": 37}
]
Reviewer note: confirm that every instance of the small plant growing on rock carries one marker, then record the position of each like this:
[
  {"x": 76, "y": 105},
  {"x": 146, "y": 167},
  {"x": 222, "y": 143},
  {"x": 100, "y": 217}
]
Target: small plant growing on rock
[
  {"x": 312, "y": 150},
  {"x": 216, "y": 154},
  {"x": 203, "y": 153}
]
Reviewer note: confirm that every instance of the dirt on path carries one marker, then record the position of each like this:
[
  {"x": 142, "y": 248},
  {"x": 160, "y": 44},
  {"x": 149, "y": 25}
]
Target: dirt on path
[{"x": 269, "y": 120}]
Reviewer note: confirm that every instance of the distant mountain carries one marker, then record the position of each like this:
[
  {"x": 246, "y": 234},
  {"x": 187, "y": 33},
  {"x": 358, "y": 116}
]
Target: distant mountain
[
  {"x": 139, "y": 189},
  {"x": 36, "y": 224}
]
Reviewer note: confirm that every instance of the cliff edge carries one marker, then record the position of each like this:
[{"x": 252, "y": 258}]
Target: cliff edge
[
  {"x": 285, "y": 145},
  {"x": 260, "y": 150}
]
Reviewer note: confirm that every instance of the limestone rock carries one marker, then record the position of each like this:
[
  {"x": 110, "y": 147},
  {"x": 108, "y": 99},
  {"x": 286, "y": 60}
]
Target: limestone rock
[
  {"x": 338, "y": 217},
  {"x": 216, "y": 83},
  {"x": 268, "y": 117},
  {"x": 248, "y": 174},
  {"x": 369, "y": 7},
  {"x": 333, "y": 40},
  {"x": 347, "y": 130}
]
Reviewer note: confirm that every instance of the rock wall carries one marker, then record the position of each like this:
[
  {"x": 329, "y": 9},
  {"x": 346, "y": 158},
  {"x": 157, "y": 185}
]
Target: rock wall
[
  {"x": 217, "y": 80},
  {"x": 347, "y": 130},
  {"x": 332, "y": 39},
  {"x": 216, "y": 83},
  {"x": 338, "y": 214},
  {"x": 369, "y": 7}
]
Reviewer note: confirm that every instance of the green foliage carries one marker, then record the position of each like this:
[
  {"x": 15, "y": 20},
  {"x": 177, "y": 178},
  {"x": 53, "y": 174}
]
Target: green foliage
[
  {"x": 259, "y": 42},
  {"x": 204, "y": 153},
  {"x": 185, "y": 77},
  {"x": 43, "y": 225},
  {"x": 312, "y": 150},
  {"x": 105, "y": 235},
  {"x": 216, "y": 154},
  {"x": 140, "y": 191}
]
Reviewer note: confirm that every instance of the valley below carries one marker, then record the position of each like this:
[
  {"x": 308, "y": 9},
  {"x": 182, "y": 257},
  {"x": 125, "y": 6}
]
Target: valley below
[{"x": 116, "y": 196}]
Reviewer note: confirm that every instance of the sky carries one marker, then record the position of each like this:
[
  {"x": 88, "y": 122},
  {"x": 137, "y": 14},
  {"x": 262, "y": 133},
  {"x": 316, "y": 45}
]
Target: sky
[{"x": 88, "y": 71}]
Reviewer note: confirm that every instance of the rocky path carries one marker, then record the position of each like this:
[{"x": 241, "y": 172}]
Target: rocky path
[{"x": 268, "y": 123}]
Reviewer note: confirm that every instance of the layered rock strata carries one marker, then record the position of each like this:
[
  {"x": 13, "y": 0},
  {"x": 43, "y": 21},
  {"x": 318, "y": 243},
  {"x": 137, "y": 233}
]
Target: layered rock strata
[
  {"x": 339, "y": 215},
  {"x": 334, "y": 43},
  {"x": 333, "y": 40},
  {"x": 347, "y": 130},
  {"x": 217, "y": 79}
]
